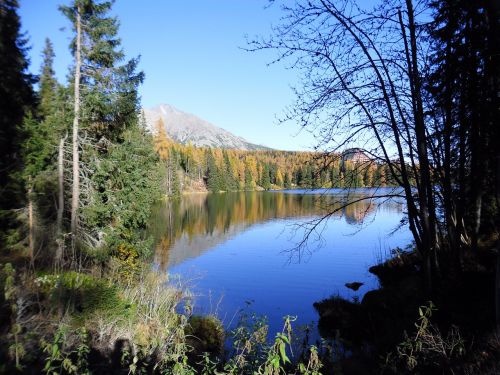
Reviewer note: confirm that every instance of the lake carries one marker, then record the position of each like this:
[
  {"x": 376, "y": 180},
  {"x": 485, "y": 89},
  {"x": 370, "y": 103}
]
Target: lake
[{"x": 244, "y": 250}]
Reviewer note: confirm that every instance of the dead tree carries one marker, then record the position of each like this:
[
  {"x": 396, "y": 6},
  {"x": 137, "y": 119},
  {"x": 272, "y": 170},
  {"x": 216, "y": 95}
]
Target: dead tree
[
  {"x": 60, "y": 200},
  {"x": 75, "y": 198}
]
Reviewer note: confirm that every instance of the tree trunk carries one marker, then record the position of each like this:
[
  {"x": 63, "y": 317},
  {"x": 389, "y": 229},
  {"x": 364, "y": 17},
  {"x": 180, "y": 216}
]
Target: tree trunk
[
  {"x": 493, "y": 9},
  {"x": 425, "y": 191},
  {"x": 60, "y": 200},
  {"x": 497, "y": 281},
  {"x": 60, "y": 176},
  {"x": 31, "y": 234},
  {"x": 75, "y": 199}
]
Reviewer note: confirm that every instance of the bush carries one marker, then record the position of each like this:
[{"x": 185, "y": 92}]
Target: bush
[
  {"x": 427, "y": 350},
  {"x": 129, "y": 264}
]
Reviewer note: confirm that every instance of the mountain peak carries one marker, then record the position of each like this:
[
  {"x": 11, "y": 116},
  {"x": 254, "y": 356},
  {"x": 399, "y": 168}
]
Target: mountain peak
[{"x": 185, "y": 127}]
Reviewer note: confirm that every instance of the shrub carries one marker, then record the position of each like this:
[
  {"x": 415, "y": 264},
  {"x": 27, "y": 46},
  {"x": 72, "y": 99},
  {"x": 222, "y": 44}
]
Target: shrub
[
  {"x": 427, "y": 350},
  {"x": 129, "y": 264},
  {"x": 154, "y": 331}
]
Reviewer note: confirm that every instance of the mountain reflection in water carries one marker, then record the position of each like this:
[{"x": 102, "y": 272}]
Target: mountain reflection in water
[{"x": 187, "y": 228}]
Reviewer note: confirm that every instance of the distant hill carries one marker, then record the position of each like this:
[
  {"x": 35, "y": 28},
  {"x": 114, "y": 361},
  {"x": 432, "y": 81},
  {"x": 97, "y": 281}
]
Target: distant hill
[
  {"x": 184, "y": 127},
  {"x": 356, "y": 155}
]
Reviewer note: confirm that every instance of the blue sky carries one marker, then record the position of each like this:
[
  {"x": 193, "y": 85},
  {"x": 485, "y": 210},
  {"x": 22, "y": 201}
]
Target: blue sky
[{"x": 190, "y": 52}]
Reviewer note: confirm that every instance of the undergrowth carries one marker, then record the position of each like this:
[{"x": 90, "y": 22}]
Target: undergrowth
[{"x": 78, "y": 323}]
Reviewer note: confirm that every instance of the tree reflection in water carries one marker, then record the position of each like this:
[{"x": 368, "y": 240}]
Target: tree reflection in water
[{"x": 186, "y": 228}]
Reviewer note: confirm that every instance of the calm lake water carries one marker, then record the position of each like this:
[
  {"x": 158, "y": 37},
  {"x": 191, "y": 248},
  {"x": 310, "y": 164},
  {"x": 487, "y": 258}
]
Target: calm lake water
[{"x": 239, "y": 249}]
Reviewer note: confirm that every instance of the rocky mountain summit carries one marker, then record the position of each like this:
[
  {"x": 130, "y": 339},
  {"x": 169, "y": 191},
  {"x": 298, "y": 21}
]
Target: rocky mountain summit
[{"x": 185, "y": 127}]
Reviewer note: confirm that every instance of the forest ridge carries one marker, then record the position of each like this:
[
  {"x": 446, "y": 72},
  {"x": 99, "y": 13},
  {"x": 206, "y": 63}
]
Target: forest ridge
[
  {"x": 190, "y": 168},
  {"x": 205, "y": 157}
]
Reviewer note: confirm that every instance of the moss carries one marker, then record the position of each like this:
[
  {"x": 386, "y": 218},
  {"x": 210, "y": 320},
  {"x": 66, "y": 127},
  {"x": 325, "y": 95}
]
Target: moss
[{"x": 205, "y": 335}]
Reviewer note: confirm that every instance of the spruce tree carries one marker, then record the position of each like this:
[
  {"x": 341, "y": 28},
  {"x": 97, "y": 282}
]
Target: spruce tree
[
  {"x": 44, "y": 130},
  {"x": 286, "y": 181},
  {"x": 306, "y": 177},
  {"x": 213, "y": 173},
  {"x": 248, "y": 178},
  {"x": 335, "y": 176},
  {"x": 109, "y": 117},
  {"x": 266, "y": 180},
  {"x": 231, "y": 182},
  {"x": 43, "y": 154},
  {"x": 176, "y": 185},
  {"x": 17, "y": 98},
  {"x": 464, "y": 84},
  {"x": 48, "y": 83},
  {"x": 109, "y": 85}
]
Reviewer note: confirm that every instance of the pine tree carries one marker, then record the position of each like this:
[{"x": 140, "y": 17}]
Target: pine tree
[
  {"x": 287, "y": 183},
  {"x": 48, "y": 83},
  {"x": 213, "y": 173},
  {"x": 17, "y": 98},
  {"x": 249, "y": 183},
  {"x": 266, "y": 180},
  {"x": 109, "y": 113},
  {"x": 231, "y": 182}
]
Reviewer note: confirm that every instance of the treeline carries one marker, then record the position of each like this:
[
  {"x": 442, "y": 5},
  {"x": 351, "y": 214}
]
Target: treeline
[{"x": 190, "y": 168}]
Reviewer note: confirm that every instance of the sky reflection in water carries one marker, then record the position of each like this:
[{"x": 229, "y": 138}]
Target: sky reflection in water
[{"x": 234, "y": 248}]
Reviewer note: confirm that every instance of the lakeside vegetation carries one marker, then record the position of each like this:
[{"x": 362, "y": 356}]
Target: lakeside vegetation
[{"x": 80, "y": 175}]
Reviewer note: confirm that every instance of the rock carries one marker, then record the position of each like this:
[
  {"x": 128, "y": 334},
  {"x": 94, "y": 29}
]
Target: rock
[{"x": 354, "y": 285}]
